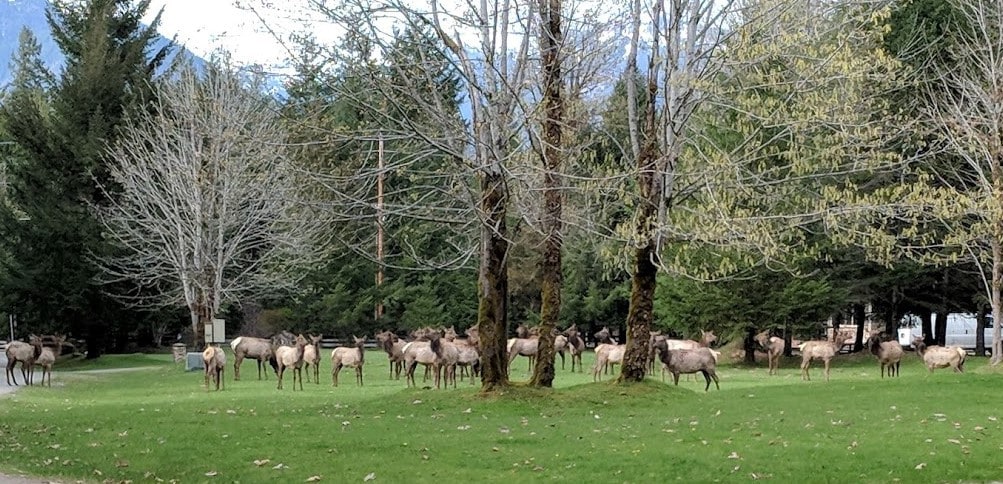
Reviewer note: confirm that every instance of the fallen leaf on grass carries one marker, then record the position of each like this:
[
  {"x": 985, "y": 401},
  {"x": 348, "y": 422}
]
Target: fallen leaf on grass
[
  {"x": 280, "y": 466},
  {"x": 121, "y": 463},
  {"x": 313, "y": 479},
  {"x": 211, "y": 473},
  {"x": 733, "y": 455},
  {"x": 369, "y": 477},
  {"x": 920, "y": 466},
  {"x": 261, "y": 462},
  {"x": 954, "y": 441}
]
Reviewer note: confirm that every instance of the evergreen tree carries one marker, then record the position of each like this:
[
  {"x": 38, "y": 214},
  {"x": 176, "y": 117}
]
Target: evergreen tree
[{"x": 48, "y": 227}]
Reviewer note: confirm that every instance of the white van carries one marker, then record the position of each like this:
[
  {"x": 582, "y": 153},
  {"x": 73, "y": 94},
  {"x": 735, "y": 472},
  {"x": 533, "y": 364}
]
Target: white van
[{"x": 961, "y": 328}]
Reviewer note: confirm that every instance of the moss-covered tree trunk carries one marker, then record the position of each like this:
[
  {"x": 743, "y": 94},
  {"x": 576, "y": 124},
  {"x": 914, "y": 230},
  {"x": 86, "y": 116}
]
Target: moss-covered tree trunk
[
  {"x": 492, "y": 283},
  {"x": 550, "y": 311}
]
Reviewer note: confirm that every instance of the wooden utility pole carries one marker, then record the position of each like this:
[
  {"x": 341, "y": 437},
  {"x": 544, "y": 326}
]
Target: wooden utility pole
[{"x": 379, "y": 227}]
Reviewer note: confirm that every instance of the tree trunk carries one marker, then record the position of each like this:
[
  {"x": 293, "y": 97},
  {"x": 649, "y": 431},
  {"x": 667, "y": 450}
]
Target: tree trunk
[
  {"x": 859, "y": 317},
  {"x": 750, "y": 345},
  {"x": 788, "y": 351},
  {"x": 940, "y": 327},
  {"x": 926, "y": 323},
  {"x": 980, "y": 332},
  {"x": 550, "y": 311},
  {"x": 201, "y": 315},
  {"x": 639, "y": 316},
  {"x": 994, "y": 295},
  {"x": 492, "y": 290}
]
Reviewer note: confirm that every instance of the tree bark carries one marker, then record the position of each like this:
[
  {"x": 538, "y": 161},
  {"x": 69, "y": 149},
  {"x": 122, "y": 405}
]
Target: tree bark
[
  {"x": 550, "y": 311},
  {"x": 926, "y": 323},
  {"x": 859, "y": 316},
  {"x": 980, "y": 332},
  {"x": 749, "y": 344},
  {"x": 639, "y": 316},
  {"x": 492, "y": 314},
  {"x": 997, "y": 251},
  {"x": 940, "y": 327}
]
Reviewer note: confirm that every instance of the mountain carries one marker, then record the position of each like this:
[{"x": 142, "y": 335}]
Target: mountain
[{"x": 17, "y": 14}]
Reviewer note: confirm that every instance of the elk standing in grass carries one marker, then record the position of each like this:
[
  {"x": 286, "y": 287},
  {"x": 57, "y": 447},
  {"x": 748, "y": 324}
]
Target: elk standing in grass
[
  {"x": 352, "y": 357},
  {"x": 607, "y": 355},
  {"x": 523, "y": 346},
  {"x": 291, "y": 357},
  {"x": 311, "y": 357},
  {"x": 820, "y": 350},
  {"x": 48, "y": 355},
  {"x": 889, "y": 353},
  {"x": 446, "y": 357},
  {"x": 258, "y": 348},
  {"x": 702, "y": 360},
  {"x": 416, "y": 352},
  {"x": 25, "y": 353},
  {"x": 774, "y": 348},
  {"x": 576, "y": 346},
  {"x": 394, "y": 347},
  {"x": 940, "y": 356},
  {"x": 214, "y": 360}
]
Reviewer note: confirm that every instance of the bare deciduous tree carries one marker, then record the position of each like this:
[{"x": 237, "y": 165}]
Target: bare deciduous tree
[{"x": 205, "y": 208}]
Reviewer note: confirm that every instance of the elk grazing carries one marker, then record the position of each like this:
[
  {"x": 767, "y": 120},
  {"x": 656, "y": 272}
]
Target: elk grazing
[
  {"x": 774, "y": 348},
  {"x": 291, "y": 357},
  {"x": 576, "y": 346},
  {"x": 702, "y": 360},
  {"x": 889, "y": 353},
  {"x": 940, "y": 356},
  {"x": 47, "y": 357},
  {"x": 311, "y": 357},
  {"x": 259, "y": 349},
  {"x": 820, "y": 350},
  {"x": 394, "y": 347},
  {"x": 607, "y": 354},
  {"x": 26, "y": 354},
  {"x": 352, "y": 357},
  {"x": 214, "y": 360}
]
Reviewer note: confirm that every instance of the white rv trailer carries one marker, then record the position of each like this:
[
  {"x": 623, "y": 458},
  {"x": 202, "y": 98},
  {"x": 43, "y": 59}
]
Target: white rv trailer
[{"x": 961, "y": 329}]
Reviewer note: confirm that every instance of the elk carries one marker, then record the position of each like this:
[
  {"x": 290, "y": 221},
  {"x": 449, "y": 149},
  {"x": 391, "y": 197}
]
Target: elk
[
  {"x": 940, "y": 356},
  {"x": 820, "y": 350},
  {"x": 702, "y": 360},
  {"x": 523, "y": 346},
  {"x": 889, "y": 353},
  {"x": 576, "y": 346},
  {"x": 25, "y": 353},
  {"x": 214, "y": 360},
  {"x": 291, "y": 357},
  {"x": 416, "y": 352},
  {"x": 707, "y": 338},
  {"x": 394, "y": 347},
  {"x": 311, "y": 357},
  {"x": 48, "y": 355},
  {"x": 258, "y": 348},
  {"x": 607, "y": 354},
  {"x": 774, "y": 347},
  {"x": 446, "y": 357},
  {"x": 352, "y": 357}
]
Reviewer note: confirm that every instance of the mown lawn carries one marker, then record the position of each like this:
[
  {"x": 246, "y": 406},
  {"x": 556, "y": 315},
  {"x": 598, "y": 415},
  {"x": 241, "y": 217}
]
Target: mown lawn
[{"x": 151, "y": 424}]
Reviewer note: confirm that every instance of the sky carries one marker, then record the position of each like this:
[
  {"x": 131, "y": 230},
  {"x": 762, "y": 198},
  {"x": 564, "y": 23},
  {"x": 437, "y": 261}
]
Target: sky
[{"x": 205, "y": 26}]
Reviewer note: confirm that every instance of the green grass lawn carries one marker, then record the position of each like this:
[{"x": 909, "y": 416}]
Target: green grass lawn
[{"x": 160, "y": 423}]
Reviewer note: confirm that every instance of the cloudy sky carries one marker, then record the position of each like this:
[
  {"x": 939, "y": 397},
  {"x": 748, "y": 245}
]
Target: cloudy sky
[{"x": 205, "y": 26}]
